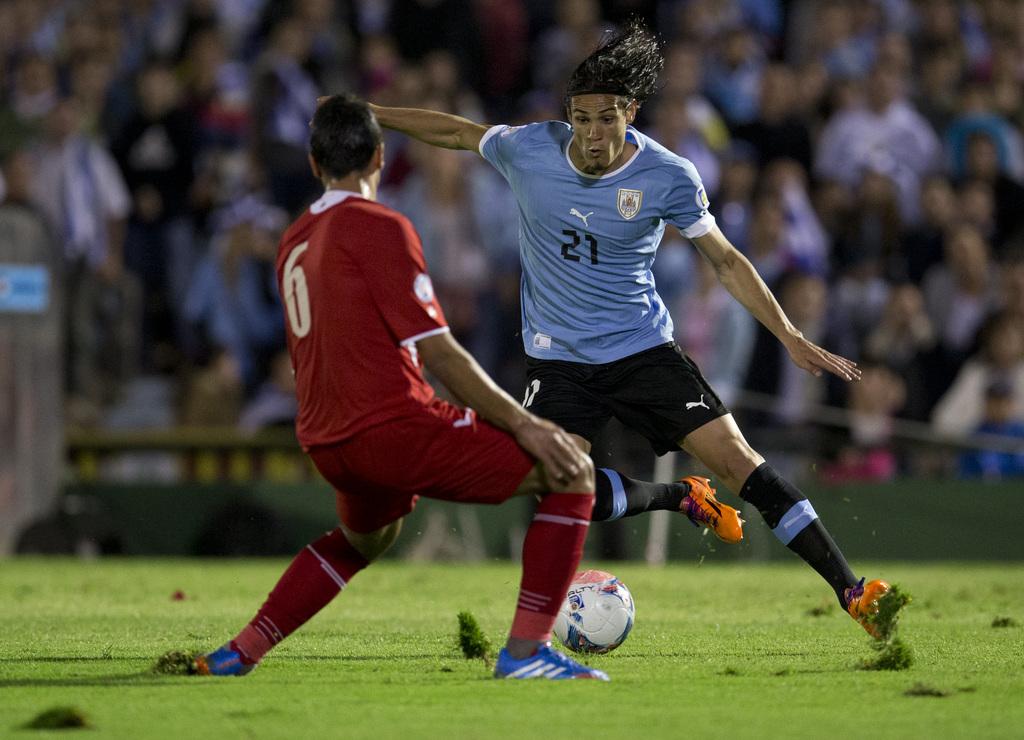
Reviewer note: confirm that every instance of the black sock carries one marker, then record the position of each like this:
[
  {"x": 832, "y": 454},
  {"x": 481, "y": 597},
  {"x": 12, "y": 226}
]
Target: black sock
[
  {"x": 792, "y": 519},
  {"x": 618, "y": 496}
]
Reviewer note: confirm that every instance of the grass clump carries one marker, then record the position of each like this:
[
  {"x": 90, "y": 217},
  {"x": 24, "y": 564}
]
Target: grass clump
[
  {"x": 921, "y": 689},
  {"x": 59, "y": 718},
  {"x": 472, "y": 640},
  {"x": 887, "y": 617},
  {"x": 891, "y": 653},
  {"x": 1000, "y": 622},
  {"x": 176, "y": 663}
]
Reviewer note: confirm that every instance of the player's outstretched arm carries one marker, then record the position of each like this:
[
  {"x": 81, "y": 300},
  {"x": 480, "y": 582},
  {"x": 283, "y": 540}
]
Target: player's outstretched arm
[
  {"x": 432, "y": 127},
  {"x": 468, "y": 382},
  {"x": 741, "y": 279}
]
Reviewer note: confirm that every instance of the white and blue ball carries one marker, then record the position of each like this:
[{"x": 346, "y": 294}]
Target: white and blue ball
[{"x": 597, "y": 614}]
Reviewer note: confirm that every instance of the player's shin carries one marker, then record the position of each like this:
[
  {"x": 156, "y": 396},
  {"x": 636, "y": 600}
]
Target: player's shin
[
  {"x": 794, "y": 522},
  {"x": 316, "y": 575},
  {"x": 618, "y": 496},
  {"x": 551, "y": 552}
]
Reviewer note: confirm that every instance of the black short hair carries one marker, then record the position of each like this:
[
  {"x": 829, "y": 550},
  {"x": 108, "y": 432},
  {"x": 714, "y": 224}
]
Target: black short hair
[
  {"x": 625, "y": 63},
  {"x": 345, "y": 134}
]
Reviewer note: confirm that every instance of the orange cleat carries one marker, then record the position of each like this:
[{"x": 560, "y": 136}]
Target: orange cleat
[
  {"x": 862, "y": 604},
  {"x": 701, "y": 506}
]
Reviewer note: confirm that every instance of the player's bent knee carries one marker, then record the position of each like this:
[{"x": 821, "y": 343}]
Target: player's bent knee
[
  {"x": 371, "y": 545},
  {"x": 582, "y": 482}
]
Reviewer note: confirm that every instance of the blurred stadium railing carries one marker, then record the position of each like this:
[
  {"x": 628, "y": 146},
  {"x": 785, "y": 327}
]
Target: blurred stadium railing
[{"x": 224, "y": 492}]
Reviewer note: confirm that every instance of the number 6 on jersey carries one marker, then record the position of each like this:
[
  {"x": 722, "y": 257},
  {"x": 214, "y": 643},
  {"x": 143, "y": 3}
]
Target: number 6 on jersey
[{"x": 296, "y": 294}]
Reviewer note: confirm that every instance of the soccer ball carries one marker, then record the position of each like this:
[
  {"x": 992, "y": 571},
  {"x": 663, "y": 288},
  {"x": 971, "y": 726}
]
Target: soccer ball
[{"x": 597, "y": 613}]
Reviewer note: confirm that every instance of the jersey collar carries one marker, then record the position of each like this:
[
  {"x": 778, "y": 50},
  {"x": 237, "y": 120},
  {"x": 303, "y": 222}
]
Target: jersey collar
[
  {"x": 331, "y": 198},
  {"x": 632, "y": 136}
]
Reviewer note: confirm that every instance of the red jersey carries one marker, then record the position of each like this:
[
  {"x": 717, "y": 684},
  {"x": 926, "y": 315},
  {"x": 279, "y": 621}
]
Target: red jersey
[{"x": 357, "y": 298}]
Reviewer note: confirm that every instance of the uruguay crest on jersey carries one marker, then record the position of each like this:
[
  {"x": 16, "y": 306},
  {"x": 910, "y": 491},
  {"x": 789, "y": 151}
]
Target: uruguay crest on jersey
[{"x": 629, "y": 202}]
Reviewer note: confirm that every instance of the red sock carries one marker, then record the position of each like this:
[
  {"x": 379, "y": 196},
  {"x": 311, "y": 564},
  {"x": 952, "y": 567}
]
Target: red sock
[
  {"x": 315, "y": 576},
  {"x": 551, "y": 552}
]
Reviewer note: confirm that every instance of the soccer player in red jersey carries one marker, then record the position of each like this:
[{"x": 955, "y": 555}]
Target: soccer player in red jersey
[{"x": 361, "y": 317}]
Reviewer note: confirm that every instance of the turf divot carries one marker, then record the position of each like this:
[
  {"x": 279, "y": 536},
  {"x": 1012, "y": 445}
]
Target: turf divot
[
  {"x": 176, "y": 663},
  {"x": 59, "y": 718}
]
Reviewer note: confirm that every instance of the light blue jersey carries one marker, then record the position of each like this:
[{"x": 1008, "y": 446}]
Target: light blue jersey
[{"x": 587, "y": 243}]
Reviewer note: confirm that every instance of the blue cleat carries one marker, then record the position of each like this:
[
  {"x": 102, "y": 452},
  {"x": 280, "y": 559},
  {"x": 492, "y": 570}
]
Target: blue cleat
[
  {"x": 545, "y": 663},
  {"x": 224, "y": 661}
]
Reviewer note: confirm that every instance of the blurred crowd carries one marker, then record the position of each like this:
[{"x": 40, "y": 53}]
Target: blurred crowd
[{"x": 866, "y": 155}]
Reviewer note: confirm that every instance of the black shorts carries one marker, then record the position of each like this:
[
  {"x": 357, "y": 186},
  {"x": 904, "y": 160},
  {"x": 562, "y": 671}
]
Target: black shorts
[{"x": 659, "y": 393}]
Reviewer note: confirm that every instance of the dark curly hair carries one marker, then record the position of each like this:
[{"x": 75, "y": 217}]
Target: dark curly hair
[{"x": 625, "y": 63}]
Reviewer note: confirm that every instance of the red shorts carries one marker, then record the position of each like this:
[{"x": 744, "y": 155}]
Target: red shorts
[{"x": 444, "y": 453}]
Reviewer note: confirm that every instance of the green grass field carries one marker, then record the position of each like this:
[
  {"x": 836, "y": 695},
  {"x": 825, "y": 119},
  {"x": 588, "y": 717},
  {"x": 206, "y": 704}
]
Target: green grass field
[{"x": 717, "y": 651}]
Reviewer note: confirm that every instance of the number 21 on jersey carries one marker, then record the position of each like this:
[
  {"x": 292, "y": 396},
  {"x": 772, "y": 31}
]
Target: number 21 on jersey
[{"x": 296, "y": 293}]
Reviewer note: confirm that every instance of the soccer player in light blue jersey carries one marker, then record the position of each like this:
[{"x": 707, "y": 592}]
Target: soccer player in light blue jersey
[{"x": 595, "y": 196}]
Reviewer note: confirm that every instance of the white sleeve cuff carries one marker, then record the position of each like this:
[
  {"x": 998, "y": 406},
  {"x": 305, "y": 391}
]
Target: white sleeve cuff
[
  {"x": 424, "y": 335},
  {"x": 492, "y": 131},
  {"x": 700, "y": 227}
]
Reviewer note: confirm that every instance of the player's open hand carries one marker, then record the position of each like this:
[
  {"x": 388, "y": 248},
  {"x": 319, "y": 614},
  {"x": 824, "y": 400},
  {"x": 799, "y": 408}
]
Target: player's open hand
[
  {"x": 815, "y": 360},
  {"x": 553, "y": 448}
]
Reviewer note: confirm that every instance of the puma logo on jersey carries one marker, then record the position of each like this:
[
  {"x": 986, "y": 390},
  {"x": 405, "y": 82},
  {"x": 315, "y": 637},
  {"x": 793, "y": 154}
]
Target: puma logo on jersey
[
  {"x": 580, "y": 216},
  {"x": 695, "y": 404}
]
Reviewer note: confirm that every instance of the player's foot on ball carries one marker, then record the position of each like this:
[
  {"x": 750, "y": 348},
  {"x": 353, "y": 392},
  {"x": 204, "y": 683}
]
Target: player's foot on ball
[
  {"x": 223, "y": 662},
  {"x": 862, "y": 603},
  {"x": 703, "y": 509},
  {"x": 545, "y": 663}
]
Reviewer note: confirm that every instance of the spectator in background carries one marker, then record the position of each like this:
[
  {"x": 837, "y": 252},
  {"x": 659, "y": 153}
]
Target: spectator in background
[
  {"x": 420, "y": 27},
  {"x": 435, "y": 198},
  {"x": 1001, "y": 417},
  {"x": 504, "y": 37},
  {"x": 766, "y": 248},
  {"x": 1012, "y": 293},
  {"x": 735, "y": 201},
  {"x": 733, "y": 75},
  {"x": 902, "y": 340},
  {"x": 982, "y": 164},
  {"x": 214, "y": 394},
  {"x": 870, "y": 237},
  {"x": 804, "y": 298},
  {"x": 923, "y": 244},
  {"x": 31, "y": 97},
  {"x": 91, "y": 78},
  {"x": 778, "y": 132},
  {"x": 576, "y": 32},
  {"x": 716, "y": 330},
  {"x": 873, "y": 403},
  {"x": 233, "y": 295},
  {"x": 330, "y": 44},
  {"x": 683, "y": 78},
  {"x": 283, "y": 102},
  {"x": 216, "y": 91},
  {"x": 805, "y": 238},
  {"x": 958, "y": 294},
  {"x": 79, "y": 187},
  {"x": 938, "y": 92},
  {"x": 155, "y": 150},
  {"x": 844, "y": 37},
  {"x": 977, "y": 207},
  {"x": 884, "y": 134},
  {"x": 1001, "y": 360},
  {"x": 671, "y": 124},
  {"x": 274, "y": 404},
  {"x": 977, "y": 117}
]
